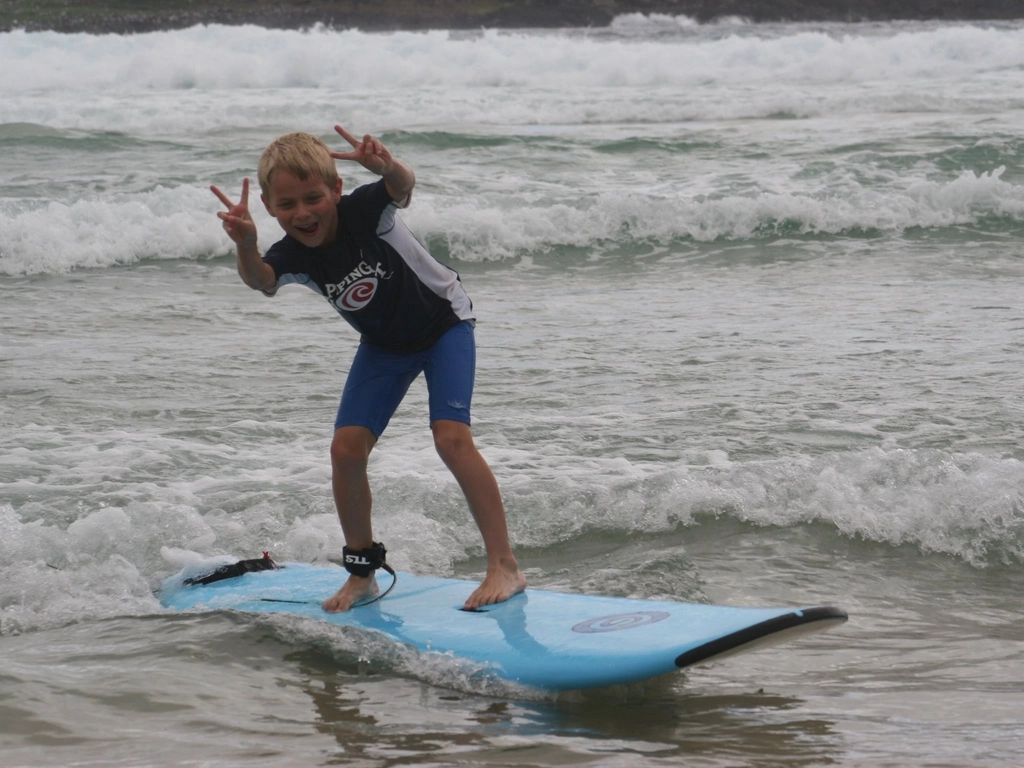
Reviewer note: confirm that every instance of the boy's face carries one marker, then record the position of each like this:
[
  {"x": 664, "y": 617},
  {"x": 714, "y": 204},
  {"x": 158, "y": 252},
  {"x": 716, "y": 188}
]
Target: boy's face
[{"x": 306, "y": 210}]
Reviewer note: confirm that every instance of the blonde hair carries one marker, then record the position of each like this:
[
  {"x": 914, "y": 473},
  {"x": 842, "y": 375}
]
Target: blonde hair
[{"x": 302, "y": 154}]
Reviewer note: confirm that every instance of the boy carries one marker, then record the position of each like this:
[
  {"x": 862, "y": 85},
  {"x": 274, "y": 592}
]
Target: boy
[{"x": 413, "y": 316}]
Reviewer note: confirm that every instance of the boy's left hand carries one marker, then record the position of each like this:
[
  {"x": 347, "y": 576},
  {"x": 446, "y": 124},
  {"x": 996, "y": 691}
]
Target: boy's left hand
[{"x": 369, "y": 152}]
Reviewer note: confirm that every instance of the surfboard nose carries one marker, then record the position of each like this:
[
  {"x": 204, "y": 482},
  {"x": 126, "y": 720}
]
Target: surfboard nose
[{"x": 776, "y": 630}]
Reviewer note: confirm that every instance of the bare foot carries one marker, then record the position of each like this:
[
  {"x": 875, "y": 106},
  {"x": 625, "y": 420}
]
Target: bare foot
[
  {"x": 354, "y": 590},
  {"x": 500, "y": 583}
]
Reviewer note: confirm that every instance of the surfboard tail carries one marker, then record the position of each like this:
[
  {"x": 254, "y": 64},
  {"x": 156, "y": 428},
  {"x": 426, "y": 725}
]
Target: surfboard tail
[{"x": 265, "y": 563}]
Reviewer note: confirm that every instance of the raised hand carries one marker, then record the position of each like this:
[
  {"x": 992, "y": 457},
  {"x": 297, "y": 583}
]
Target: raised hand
[
  {"x": 238, "y": 222},
  {"x": 369, "y": 152}
]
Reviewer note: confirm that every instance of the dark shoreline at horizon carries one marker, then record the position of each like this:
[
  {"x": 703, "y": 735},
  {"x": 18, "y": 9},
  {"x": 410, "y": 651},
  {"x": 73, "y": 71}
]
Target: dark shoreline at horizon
[{"x": 130, "y": 16}]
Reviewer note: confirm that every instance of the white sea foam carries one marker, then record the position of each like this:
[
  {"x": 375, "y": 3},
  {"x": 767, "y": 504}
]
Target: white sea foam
[
  {"x": 57, "y": 237},
  {"x": 180, "y": 223},
  {"x": 474, "y": 232},
  {"x": 216, "y": 57},
  {"x": 646, "y": 24}
]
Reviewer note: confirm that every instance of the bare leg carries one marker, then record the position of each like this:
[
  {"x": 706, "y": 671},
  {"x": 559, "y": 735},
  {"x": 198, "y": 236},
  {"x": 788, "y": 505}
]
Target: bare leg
[
  {"x": 454, "y": 443},
  {"x": 350, "y": 453}
]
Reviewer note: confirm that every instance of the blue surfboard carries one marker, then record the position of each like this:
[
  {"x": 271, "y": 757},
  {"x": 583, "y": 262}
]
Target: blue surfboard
[{"x": 543, "y": 639}]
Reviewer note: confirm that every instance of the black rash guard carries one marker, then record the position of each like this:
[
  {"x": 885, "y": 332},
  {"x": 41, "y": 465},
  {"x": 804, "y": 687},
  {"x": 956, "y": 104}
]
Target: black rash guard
[{"x": 377, "y": 275}]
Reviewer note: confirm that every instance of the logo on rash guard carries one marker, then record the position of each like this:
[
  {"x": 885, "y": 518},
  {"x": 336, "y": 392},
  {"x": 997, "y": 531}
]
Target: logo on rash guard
[
  {"x": 357, "y": 295},
  {"x": 356, "y": 289}
]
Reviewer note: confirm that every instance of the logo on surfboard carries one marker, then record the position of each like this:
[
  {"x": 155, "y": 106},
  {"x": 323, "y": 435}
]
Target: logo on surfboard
[{"x": 620, "y": 621}]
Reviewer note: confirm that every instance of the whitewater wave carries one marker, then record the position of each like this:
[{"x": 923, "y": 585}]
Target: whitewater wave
[
  {"x": 55, "y": 238},
  {"x": 219, "y": 57},
  {"x": 964, "y": 505},
  {"x": 180, "y": 222}
]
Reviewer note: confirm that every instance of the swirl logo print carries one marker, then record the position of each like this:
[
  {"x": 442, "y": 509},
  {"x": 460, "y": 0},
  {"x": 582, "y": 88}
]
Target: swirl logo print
[{"x": 357, "y": 295}]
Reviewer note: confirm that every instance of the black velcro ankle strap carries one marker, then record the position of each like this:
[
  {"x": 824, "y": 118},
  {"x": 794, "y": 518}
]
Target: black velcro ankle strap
[{"x": 363, "y": 562}]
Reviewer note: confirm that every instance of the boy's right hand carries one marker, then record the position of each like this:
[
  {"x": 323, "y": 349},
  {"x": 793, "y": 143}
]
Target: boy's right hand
[{"x": 237, "y": 221}]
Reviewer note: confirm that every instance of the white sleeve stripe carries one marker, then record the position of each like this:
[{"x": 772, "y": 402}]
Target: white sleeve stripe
[
  {"x": 299, "y": 278},
  {"x": 440, "y": 279},
  {"x": 387, "y": 220}
]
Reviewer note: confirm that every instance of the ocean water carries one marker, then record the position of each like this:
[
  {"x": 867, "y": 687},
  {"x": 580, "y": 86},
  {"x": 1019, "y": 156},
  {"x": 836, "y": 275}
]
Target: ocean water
[{"x": 751, "y": 332}]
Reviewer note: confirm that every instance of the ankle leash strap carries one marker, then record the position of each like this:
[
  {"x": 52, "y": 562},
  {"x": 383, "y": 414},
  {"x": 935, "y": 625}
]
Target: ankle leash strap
[{"x": 364, "y": 562}]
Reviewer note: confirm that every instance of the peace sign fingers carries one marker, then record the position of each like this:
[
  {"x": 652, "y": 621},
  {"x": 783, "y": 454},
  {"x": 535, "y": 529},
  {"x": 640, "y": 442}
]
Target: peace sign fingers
[
  {"x": 237, "y": 221},
  {"x": 347, "y": 136},
  {"x": 243, "y": 203},
  {"x": 368, "y": 152}
]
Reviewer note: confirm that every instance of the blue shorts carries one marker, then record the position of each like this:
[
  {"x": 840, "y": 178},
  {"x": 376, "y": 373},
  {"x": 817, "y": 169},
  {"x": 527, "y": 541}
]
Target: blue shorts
[{"x": 378, "y": 380}]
